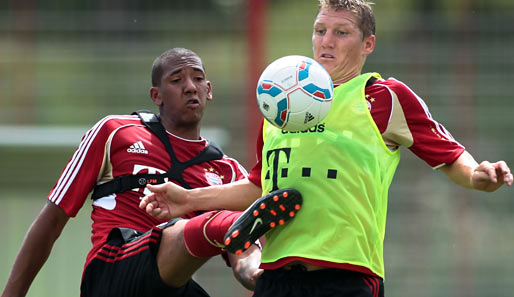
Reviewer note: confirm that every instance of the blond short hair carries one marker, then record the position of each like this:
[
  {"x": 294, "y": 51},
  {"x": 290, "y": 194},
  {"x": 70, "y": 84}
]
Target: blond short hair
[{"x": 361, "y": 8}]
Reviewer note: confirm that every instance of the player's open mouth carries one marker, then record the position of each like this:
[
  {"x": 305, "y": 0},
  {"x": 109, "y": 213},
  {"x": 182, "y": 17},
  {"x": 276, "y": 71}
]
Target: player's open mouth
[
  {"x": 327, "y": 56},
  {"x": 193, "y": 103}
]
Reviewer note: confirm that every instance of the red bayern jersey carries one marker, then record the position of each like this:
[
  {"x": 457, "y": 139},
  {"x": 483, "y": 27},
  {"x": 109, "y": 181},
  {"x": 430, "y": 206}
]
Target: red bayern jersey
[
  {"x": 121, "y": 145},
  {"x": 403, "y": 119}
]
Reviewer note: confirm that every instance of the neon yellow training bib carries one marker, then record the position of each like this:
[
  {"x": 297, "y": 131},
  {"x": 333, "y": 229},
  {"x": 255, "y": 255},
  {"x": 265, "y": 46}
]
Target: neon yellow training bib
[{"x": 343, "y": 169}]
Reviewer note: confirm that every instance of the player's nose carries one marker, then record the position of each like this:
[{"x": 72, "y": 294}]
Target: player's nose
[
  {"x": 327, "y": 41},
  {"x": 189, "y": 86}
]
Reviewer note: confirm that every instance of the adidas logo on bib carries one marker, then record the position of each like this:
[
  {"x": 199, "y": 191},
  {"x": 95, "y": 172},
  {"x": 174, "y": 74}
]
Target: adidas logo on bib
[{"x": 137, "y": 148}]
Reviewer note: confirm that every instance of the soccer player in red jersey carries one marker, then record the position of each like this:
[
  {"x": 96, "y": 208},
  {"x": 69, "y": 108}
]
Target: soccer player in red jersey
[
  {"x": 133, "y": 253},
  {"x": 335, "y": 245}
]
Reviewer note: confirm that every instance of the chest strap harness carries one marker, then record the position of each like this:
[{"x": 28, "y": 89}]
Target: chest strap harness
[{"x": 124, "y": 183}]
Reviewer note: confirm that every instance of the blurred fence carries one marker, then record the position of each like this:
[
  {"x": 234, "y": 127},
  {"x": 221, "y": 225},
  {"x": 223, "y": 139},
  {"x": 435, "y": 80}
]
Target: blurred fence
[{"x": 62, "y": 68}]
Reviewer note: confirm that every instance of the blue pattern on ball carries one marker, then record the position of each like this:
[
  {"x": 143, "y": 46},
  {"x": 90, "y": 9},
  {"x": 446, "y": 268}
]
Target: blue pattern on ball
[
  {"x": 312, "y": 89},
  {"x": 281, "y": 107},
  {"x": 304, "y": 73},
  {"x": 270, "y": 89}
]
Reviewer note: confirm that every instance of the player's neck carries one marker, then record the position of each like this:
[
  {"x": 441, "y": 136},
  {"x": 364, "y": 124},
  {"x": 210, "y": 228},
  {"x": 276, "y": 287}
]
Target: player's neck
[
  {"x": 190, "y": 131},
  {"x": 186, "y": 132}
]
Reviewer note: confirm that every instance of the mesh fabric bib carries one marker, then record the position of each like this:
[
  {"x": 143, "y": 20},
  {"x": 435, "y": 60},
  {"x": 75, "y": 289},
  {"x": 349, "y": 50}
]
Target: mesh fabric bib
[{"x": 343, "y": 169}]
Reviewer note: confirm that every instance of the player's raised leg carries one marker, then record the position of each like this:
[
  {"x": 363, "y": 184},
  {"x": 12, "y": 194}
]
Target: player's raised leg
[
  {"x": 188, "y": 244},
  {"x": 266, "y": 213}
]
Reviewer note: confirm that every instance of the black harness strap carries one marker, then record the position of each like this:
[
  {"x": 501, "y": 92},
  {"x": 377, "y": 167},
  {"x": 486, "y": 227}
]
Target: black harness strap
[{"x": 124, "y": 183}]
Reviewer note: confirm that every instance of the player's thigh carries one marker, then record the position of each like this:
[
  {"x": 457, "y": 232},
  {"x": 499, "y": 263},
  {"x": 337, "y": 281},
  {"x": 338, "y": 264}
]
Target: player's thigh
[{"x": 176, "y": 265}]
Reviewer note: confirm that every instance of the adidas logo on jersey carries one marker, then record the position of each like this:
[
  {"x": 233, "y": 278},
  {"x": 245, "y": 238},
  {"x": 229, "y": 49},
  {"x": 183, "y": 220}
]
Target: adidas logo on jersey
[{"x": 137, "y": 148}]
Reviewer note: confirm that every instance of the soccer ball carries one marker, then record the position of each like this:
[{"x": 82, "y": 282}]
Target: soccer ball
[{"x": 294, "y": 93}]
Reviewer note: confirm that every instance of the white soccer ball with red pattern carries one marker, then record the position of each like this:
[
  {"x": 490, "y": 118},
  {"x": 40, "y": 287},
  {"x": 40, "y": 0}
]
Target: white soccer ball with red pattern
[{"x": 294, "y": 93}]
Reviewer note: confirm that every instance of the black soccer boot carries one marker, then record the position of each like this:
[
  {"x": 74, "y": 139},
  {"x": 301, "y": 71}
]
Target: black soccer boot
[{"x": 264, "y": 214}]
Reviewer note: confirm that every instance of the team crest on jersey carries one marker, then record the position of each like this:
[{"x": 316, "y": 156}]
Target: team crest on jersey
[{"x": 213, "y": 177}]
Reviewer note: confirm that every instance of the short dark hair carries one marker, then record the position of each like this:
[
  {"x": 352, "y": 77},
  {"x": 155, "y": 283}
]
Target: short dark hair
[
  {"x": 361, "y": 8},
  {"x": 160, "y": 62}
]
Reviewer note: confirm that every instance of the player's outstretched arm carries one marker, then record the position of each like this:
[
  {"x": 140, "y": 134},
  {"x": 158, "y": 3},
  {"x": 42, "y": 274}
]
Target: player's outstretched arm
[
  {"x": 35, "y": 249},
  {"x": 486, "y": 176},
  {"x": 169, "y": 200}
]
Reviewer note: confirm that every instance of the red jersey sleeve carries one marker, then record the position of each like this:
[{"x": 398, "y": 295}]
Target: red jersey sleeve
[
  {"x": 82, "y": 171},
  {"x": 403, "y": 118}
]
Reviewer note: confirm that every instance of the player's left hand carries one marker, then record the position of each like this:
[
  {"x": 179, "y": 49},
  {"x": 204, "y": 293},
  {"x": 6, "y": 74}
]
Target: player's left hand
[{"x": 489, "y": 177}]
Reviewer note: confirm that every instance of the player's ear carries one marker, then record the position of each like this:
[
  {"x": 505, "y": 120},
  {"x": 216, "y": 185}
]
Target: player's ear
[
  {"x": 369, "y": 45},
  {"x": 209, "y": 91},
  {"x": 155, "y": 94}
]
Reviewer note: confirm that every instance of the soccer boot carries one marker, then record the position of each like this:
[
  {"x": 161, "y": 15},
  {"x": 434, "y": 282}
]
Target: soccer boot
[{"x": 264, "y": 214}]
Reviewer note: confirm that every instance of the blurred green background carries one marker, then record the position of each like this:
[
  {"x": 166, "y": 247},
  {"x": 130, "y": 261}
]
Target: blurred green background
[{"x": 66, "y": 64}]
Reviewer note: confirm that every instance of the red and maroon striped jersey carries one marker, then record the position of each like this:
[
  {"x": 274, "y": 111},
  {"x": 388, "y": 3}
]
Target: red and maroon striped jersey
[
  {"x": 403, "y": 119},
  {"x": 121, "y": 145}
]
